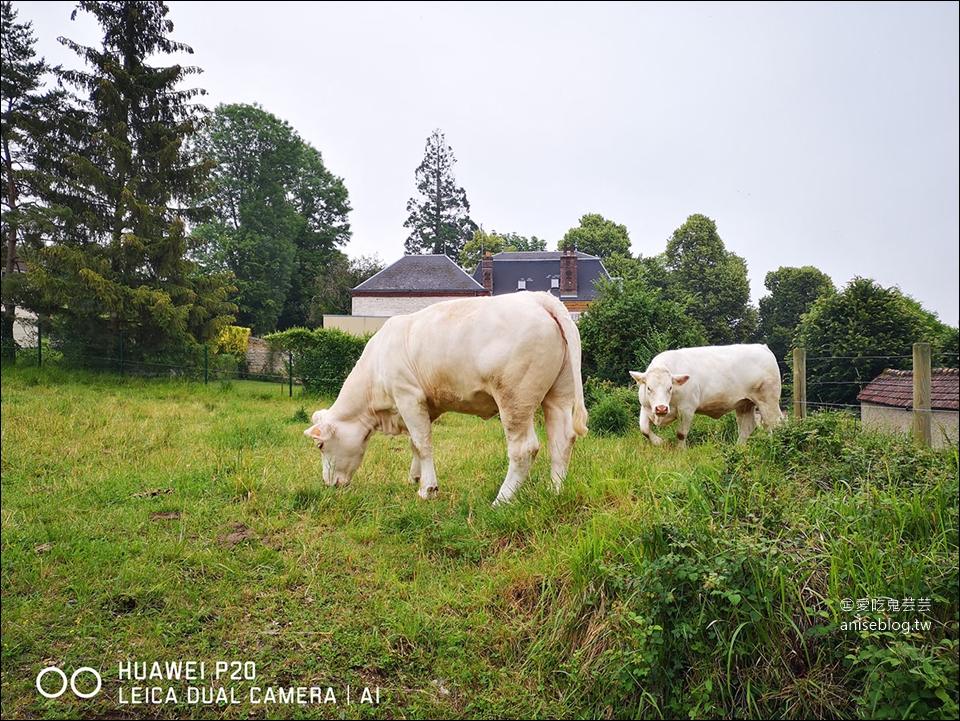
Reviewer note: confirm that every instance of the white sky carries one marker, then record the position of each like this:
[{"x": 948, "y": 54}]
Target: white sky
[{"x": 812, "y": 133}]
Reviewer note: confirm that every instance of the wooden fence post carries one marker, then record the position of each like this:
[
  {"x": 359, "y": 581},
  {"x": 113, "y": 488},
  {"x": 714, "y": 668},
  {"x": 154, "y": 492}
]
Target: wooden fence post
[
  {"x": 799, "y": 383},
  {"x": 922, "y": 429}
]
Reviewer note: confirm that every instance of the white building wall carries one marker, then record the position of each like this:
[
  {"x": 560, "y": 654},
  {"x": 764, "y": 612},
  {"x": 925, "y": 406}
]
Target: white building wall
[
  {"x": 943, "y": 424},
  {"x": 25, "y": 329},
  {"x": 387, "y": 306}
]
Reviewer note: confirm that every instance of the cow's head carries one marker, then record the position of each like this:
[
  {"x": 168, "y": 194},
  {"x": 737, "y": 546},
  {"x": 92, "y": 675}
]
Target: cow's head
[
  {"x": 656, "y": 389},
  {"x": 342, "y": 445}
]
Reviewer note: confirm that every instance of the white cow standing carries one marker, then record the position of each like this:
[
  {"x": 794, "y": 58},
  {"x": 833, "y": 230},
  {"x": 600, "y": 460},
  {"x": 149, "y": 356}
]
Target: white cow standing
[
  {"x": 711, "y": 381},
  {"x": 504, "y": 354}
]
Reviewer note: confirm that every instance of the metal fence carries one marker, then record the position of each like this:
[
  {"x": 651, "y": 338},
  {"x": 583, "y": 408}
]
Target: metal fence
[{"x": 199, "y": 363}]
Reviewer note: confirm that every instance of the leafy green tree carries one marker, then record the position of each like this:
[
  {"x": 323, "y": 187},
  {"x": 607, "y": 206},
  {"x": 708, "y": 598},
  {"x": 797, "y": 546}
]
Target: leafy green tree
[
  {"x": 949, "y": 343},
  {"x": 439, "y": 223},
  {"x": 475, "y": 248},
  {"x": 627, "y": 325},
  {"x": 494, "y": 243},
  {"x": 623, "y": 266},
  {"x": 26, "y": 110},
  {"x": 280, "y": 215},
  {"x": 710, "y": 281},
  {"x": 331, "y": 289},
  {"x": 792, "y": 292},
  {"x": 597, "y": 236},
  {"x": 124, "y": 182},
  {"x": 521, "y": 244},
  {"x": 850, "y": 337}
]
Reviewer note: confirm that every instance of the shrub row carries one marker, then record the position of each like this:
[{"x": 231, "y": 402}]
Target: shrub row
[{"x": 322, "y": 358}]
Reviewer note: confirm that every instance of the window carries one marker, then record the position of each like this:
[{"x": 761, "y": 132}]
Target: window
[
  {"x": 522, "y": 284},
  {"x": 554, "y": 282}
]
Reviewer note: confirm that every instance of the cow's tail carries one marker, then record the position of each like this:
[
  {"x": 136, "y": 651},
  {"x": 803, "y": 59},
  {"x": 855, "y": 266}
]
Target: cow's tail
[{"x": 571, "y": 336}]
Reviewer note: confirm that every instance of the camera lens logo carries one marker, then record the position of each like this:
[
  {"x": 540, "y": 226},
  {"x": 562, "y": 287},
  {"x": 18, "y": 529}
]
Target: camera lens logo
[{"x": 72, "y": 683}]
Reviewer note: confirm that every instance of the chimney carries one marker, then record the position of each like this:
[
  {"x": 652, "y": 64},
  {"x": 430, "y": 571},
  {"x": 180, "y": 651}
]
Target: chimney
[
  {"x": 486, "y": 272},
  {"x": 568, "y": 273}
]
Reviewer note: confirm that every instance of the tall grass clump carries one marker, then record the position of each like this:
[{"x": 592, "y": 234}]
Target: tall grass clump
[{"x": 811, "y": 573}]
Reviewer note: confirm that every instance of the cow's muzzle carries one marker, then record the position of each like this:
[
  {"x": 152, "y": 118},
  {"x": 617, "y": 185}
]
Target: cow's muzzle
[{"x": 661, "y": 410}]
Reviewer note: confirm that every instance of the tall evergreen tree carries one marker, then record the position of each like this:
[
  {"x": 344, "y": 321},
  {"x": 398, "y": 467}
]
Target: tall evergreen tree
[
  {"x": 440, "y": 223},
  {"x": 26, "y": 109},
  {"x": 116, "y": 267},
  {"x": 280, "y": 215}
]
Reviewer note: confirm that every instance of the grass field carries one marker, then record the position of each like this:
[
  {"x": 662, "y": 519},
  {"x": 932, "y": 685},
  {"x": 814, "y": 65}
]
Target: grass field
[{"x": 148, "y": 523}]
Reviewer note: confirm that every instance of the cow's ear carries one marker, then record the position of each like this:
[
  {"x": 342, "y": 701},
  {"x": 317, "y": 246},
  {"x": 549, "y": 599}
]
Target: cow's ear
[
  {"x": 313, "y": 431},
  {"x": 680, "y": 380},
  {"x": 640, "y": 378}
]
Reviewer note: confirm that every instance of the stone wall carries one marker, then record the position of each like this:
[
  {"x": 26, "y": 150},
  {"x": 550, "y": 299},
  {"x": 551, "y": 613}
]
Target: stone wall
[{"x": 263, "y": 361}]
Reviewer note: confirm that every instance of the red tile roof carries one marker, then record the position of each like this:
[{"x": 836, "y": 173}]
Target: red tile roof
[{"x": 895, "y": 388}]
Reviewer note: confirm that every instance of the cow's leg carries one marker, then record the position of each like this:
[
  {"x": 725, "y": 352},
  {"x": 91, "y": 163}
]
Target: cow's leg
[
  {"x": 558, "y": 419},
  {"x": 646, "y": 427},
  {"x": 417, "y": 421},
  {"x": 415, "y": 464},
  {"x": 684, "y": 421},
  {"x": 746, "y": 421},
  {"x": 522, "y": 447}
]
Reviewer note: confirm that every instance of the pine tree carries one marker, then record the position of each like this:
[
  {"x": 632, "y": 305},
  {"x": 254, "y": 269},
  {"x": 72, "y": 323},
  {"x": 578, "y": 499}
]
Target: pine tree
[
  {"x": 440, "y": 223},
  {"x": 26, "y": 110},
  {"x": 117, "y": 268}
]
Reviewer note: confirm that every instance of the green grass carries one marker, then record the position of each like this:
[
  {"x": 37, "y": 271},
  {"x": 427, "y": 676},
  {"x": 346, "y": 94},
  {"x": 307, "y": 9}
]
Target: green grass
[{"x": 171, "y": 521}]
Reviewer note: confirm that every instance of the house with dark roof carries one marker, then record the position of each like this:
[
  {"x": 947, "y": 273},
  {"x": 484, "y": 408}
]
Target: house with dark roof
[
  {"x": 412, "y": 283},
  {"x": 886, "y": 403},
  {"x": 569, "y": 275}
]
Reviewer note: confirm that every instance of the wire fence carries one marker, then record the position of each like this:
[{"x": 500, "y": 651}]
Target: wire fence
[
  {"x": 824, "y": 393},
  {"x": 827, "y": 383},
  {"x": 119, "y": 356}
]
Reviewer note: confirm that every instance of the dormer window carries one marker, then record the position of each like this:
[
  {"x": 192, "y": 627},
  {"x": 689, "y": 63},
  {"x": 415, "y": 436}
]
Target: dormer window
[
  {"x": 522, "y": 284},
  {"x": 554, "y": 282}
]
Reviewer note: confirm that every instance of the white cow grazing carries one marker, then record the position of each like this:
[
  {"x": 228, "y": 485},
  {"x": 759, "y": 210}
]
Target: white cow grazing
[
  {"x": 504, "y": 354},
  {"x": 711, "y": 381}
]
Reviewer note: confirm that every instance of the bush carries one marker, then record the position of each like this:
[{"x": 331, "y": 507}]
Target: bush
[
  {"x": 233, "y": 340},
  {"x": 613, "y": 409},
  {"x": 610, "y": 417},
  {"x": 322, "y": 358},
  {"x": 627, "y": 326}
]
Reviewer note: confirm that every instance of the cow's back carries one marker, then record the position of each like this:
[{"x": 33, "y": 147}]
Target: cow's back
[
  {"x": 723, "y": 375},
  {"x": 464, "y": 352}
]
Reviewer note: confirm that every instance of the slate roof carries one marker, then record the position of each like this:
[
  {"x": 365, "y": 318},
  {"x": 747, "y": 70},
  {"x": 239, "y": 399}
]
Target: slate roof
[
  {"x": 895, "y": 388},
  {"x": 421, "y": 273},
  {"x": 538, "y": 268}
]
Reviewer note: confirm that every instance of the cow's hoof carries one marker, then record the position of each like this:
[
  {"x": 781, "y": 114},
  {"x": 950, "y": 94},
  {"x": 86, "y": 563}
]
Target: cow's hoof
[
  {"x": 413, "y": 479},
  {"x": 430, "y": 494}
]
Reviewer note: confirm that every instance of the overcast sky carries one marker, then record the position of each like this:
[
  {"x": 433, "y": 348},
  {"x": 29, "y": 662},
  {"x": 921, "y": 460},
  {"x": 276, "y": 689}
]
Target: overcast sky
[{"x": 821, "y": 134}]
